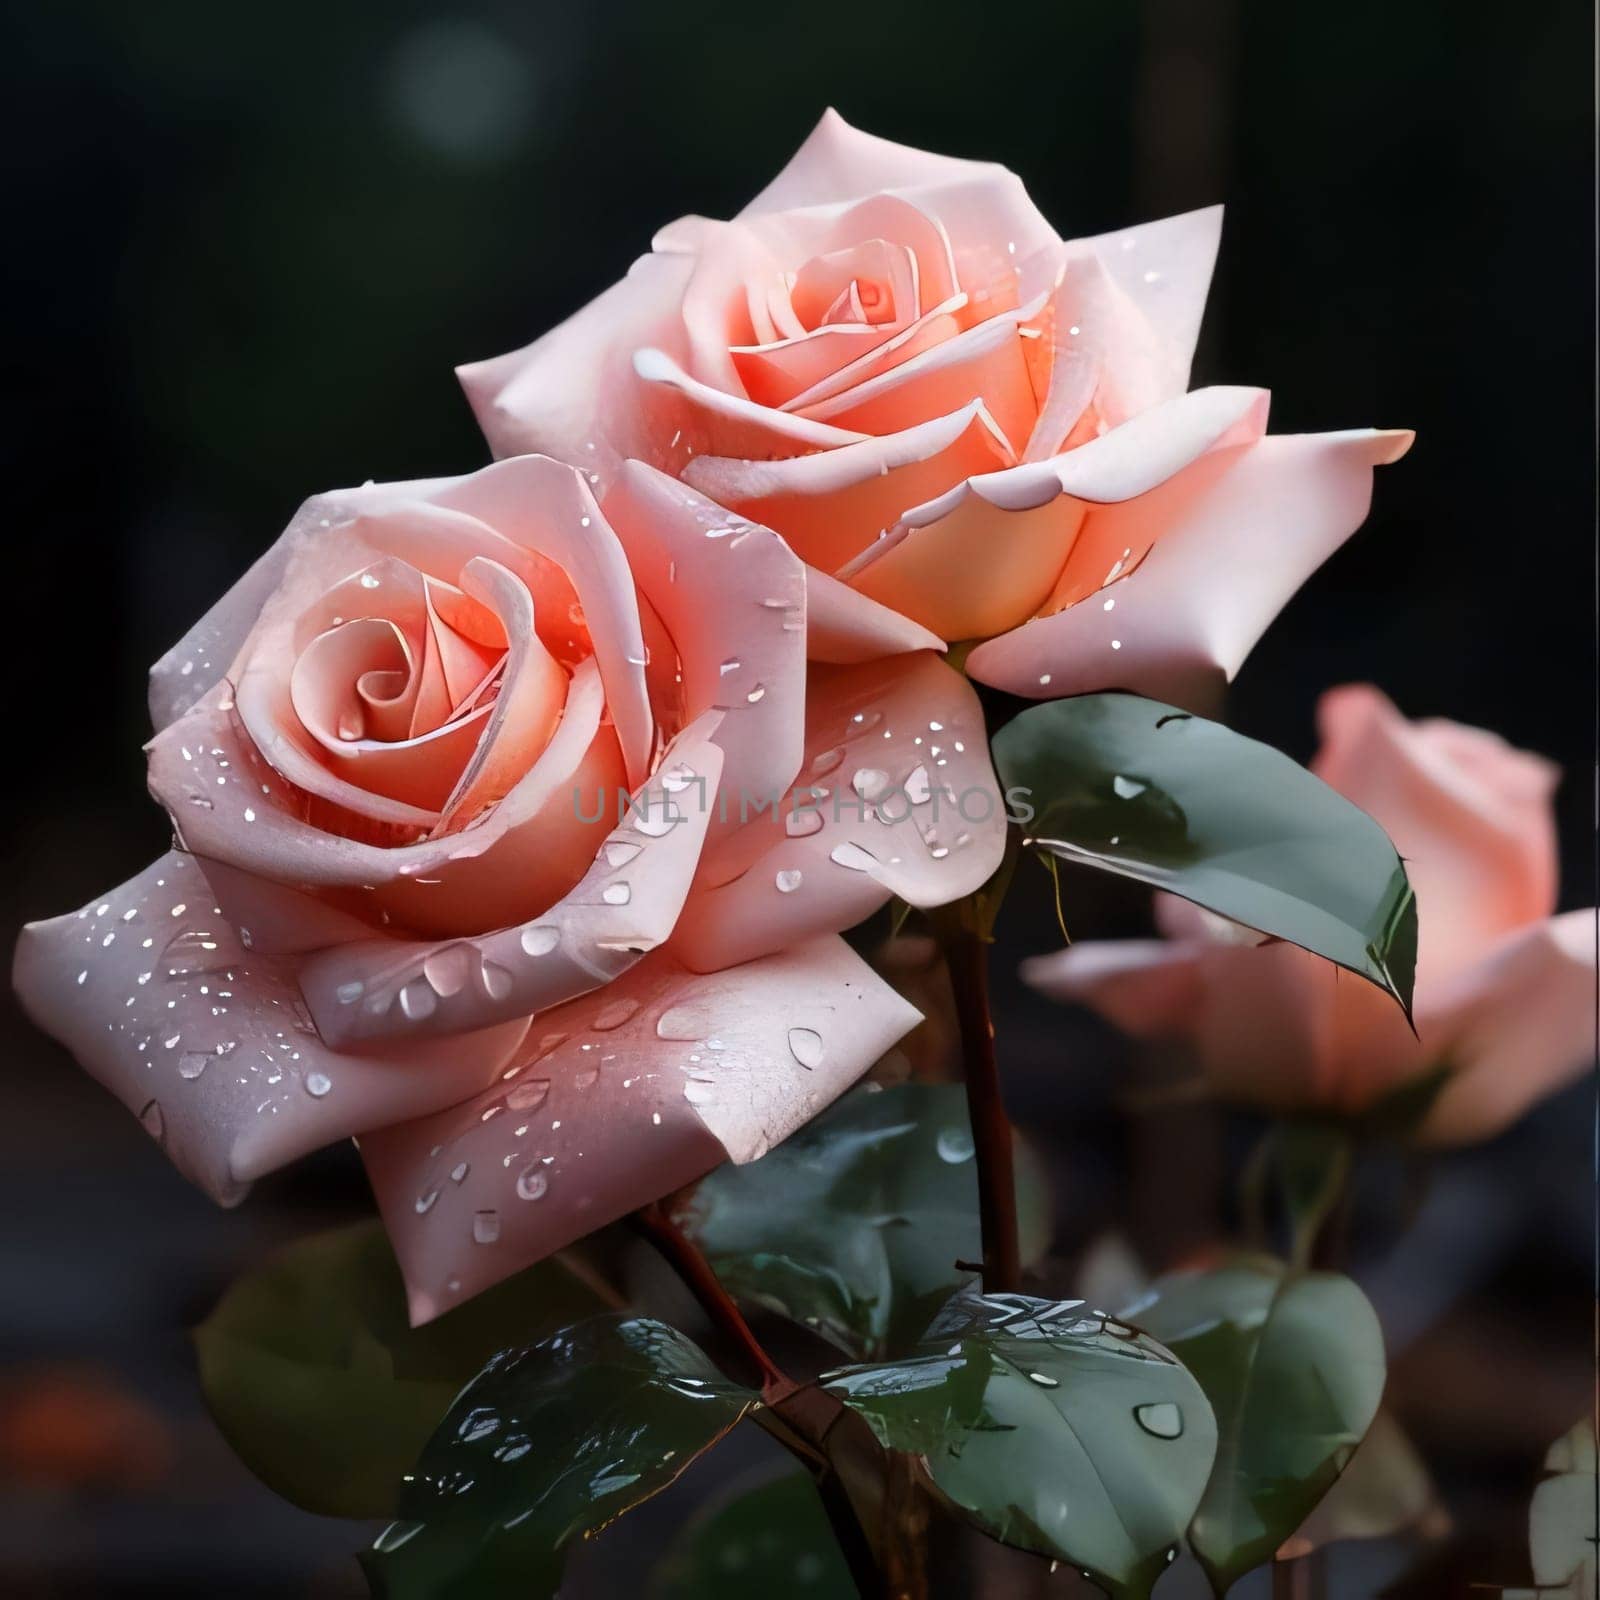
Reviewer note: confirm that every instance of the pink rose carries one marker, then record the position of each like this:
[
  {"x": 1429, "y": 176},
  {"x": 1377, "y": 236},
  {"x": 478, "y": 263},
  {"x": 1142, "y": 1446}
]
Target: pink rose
[
  {"x": 1504, "y": 990},
  {"x": 398, "y": 757},
  {"x": 892, "y": 359}
]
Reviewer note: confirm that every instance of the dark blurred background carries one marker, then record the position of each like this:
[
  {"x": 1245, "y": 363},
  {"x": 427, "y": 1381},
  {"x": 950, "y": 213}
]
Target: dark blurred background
[{"x": 248, "y": 244}]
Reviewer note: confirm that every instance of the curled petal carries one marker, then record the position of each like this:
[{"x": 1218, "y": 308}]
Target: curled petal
[
  {"x": 575, "y": 386},
  {"x": 1229, "y": 539},
  {"x": 226, "y": 803},
  {"x": 732, "y": 596},
  {"x": 896, "y": 797},
  {"x": 710, "y": 421},
  {"x": 203, "y": 1036},
  {"x": 619, "y": 1098},
  {"x": 832, "y": 505},
  {"x": 845, "y": 627},
  {"x": 1469, "y": 814},
  {"x": 625, "y": 905}
]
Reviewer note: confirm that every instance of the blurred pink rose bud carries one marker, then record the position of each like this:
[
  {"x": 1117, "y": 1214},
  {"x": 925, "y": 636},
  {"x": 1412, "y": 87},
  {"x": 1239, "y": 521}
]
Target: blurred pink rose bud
[{"x": 1504, "y": 993}]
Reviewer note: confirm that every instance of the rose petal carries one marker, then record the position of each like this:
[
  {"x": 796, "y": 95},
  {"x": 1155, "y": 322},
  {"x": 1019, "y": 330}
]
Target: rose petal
[
  {"x": 902, "y": 739},
  {"x": 1165, "y": 269},
  {"x": 1514, "y": 1028},
  {"x": 201, "y": 658},
  {"x": 1469, "y": 814},
  {"x": 1148, "y": 988},
  {"x": 1232, "y": 538},
  {"x": 544, "y": 506},
  {"x": 845, "y": 627},
  {"x": 204, "y": 1037},
  {"x": 619, "y": 1098},
  {"x": 985, "y": 363},
  {"x": 839, "y": 163},
  {"x": 732, "y": 596},
  {"x": 626, "y": 904},
  {"x": 832, "y": 505},
  {"x": 710, "y": 421},
  {"x": 528, "y": 851},
  {"x": 575, "y": 386}
]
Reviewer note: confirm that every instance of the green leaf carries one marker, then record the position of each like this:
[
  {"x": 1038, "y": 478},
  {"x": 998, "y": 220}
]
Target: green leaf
[
  {"x": 1150, "y": 792},
  {"x": 1293, "y": 1366},
  {"x": 1056, "y": 1429},
  {"x": 770, "y": 1540},
  {"x": 547, "y": 1444},
  {"x": 316, "y": 1379},
  {"x": 855, "y": 1224}
]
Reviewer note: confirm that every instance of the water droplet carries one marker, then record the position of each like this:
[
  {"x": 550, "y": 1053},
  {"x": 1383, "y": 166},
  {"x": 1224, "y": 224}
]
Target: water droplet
[
  {"x": 654, "y": 818},
  {"x": 805, "y": 1045},
  {"x": 152, "y": 1121},
  {"x": 1161, "y": 1418},
  {"x": 800, "y": 824},
  {"x": 193, "y": 951},
  {"x": 614, "y": 1015},
  {"x": 757, "y": 694},
  {"x": 348, "y": 993},
  {"x": 954, "y": 1145},
  {"x": 192, "y": 1064},
  {"x": 418, "y": 1000},
  {"x": 485, "y": 1227},
  {"x": 619, "y": 852},
  {"x": 827, "y": 761},
  {"x": 459, "y": 1171},
  {"x": 677, "y": 778},
  {"x": 1127, "y": 788},
  {"x": 532, "y": 1184},
  {"x": 865, "y": 721},
  {"x": 1044, "y": 1380},
  {"x": 425, "y": 1201},
  {"x": 446, "y": 970},
  {"x": 540, "y": 941},
  {"x": 478, "y": 1423},
  {"x": 318, "y": 1084},
  {"x": 732, "y": 664},
  {"x": 869, "y": 782},
  {"x": 395, "y": 1535},
  {"x": 684, "y": 1023},
  {"x": 916, "y": 786},
  {"x": 529, "y": 1095},
  {"x": 497, "y": 980},
  {"x": 616, "y": 894},
  {"x": 788, "y": 881},
  {"x": 853, "y": 857}
]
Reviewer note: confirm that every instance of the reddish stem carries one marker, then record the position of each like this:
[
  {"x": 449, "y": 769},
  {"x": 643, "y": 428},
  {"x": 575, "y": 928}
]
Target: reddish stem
[
  {"x": 967, "y": 954},
  {"x": 684, "y": 1257}
]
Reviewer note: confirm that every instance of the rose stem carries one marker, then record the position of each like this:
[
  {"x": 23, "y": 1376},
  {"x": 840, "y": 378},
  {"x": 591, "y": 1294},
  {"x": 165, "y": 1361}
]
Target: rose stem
[
  {"x": 684, "y": 1257},
  {"x": 966, "y": 951}
]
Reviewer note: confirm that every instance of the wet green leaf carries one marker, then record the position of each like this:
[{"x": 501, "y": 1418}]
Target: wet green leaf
[
  {"x": 1054, "y": 1428},
  {"x": 854, "y": 1225},
  {"x": 770, "y": 1540},
  {"x": 1150, "y": 792},
  {"x": 549, "y": 1443},
  {"x": 1293, "y": 1366},
  {"x": 316, "y": 1379}
]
